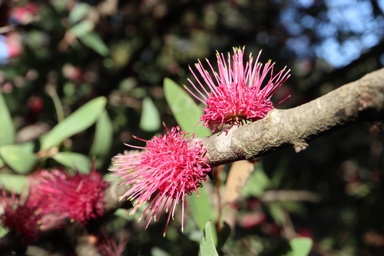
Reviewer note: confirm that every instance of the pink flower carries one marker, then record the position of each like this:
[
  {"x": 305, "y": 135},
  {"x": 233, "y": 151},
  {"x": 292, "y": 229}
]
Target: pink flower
[
  {"x": 79, "y": 197},
  {"x": 237, "y": 94},
  {"x": 169, "y": 168},
  {"x": 108, "y": 246},
  {"x": 20, "y": 217}
]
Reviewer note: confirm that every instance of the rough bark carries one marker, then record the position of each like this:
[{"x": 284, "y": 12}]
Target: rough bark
[{"x": 359, "y": 100}]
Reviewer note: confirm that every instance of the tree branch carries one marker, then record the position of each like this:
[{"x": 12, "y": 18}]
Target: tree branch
[{"x": 359, "y": 100}]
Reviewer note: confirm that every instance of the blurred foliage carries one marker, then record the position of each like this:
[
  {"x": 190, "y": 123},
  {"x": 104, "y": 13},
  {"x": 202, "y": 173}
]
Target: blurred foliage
[{"x": 78, "y": 78}]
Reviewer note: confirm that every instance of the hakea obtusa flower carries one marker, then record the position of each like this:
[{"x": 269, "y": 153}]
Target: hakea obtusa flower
[
  {"x": 169, "y": 168},
  {"x": 52, "y": 197},
  {"x": 108, "y": 246},
  {"x": 79, "y": 197},
  {"x": 237, "y": 93},
  {"x": 20, "y": 216}
]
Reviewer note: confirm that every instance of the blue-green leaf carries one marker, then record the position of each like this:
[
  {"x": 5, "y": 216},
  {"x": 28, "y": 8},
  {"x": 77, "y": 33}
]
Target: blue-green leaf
[
  {"x": 103, "y": 136},
  {"x": 94, "y": 41},
  {"x": 74, "y": 161},
  {"x": 156, "y": 251},
  {"x": 82, "y": 28},
  {"x": 257, "y": 183},
  {"x": 300, "y": 246},
  {"x": 7, "y": 130},
  {"x": 78, "y": 121},
  {"x": 150, "y": 118},
  {"x": 14, "y": 183},
  {"x": 187, "y": 113},
  {"x": 277, "y": 213},
  {"x": 207, "y": 244},
  {"x": 201, "y": 208},
  {"x": 79, "y": 11},
  {"x": 3, "y": 231},
  {"x": 20, "y": 157}
]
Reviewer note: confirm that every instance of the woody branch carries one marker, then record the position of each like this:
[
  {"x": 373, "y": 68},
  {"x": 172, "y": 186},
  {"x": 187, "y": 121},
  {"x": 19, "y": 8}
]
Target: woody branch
[{"x": 361, "y": 100}]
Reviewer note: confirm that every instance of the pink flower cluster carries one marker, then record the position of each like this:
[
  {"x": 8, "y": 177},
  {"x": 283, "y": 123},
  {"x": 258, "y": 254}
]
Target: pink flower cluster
[
  {"x": 79, "y": 197},
  {"x": 53, "y": 197},
  {"x": 238, "y": 92},
  {"x": 19, "y": 216},
  {"x": 169, "y": 168}
]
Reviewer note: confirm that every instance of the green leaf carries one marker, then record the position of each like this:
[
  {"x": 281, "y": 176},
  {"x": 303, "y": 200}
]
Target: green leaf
[
  {"x": 223, "y": 235},
  {"x": 82, "y": 28},
  {"x": 150, "y": 118},
  {"x": 278, "y": 174},
  {"x": 20, "y": 157},
  {"x": 78, "y": 12},
  {"x": 257, "y": 183},
  {"x": 300, "y": 246},
  {"x": 201, "y": 208},
  {"x": 156, "y": 251},
  {"x": 3, "y": 231},
  {"x": 103, "y": 136},
  {"x": 78, "y": 121},
  {"x": 14, "y": 183},
  {"x": 94, "y": 41},
  {"x": 277, "y": 213},
  {"x": 187, "y": 113},
  {"x": 124, "y": 214},
  {"x": 7, "y": 131},
  {"x": 207, "y": 245},
  {"x": 110, "y": 177},
  {"x": 74, "y": 161}
]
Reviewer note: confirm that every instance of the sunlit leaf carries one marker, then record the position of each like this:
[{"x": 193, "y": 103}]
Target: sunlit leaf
[
  {"x": 79, "y": 11},
  {"x": 300, "y": 246},
  {"x": 103, "y": 136},
  {"x": 187, "y": 113},
  {"x": 150, "y": 118},
  {"x": 207, "y": 244},
  {"x": 14, "y": 183},
  {"x": 82, "y": 28},
  {"x": 19, "y": 158},
  {"x": 58, "y": 5},
  {"x": 3, "y": 230},
  {"x": 156, "y": 251},
  {"x": 94, "y": 41},
  {"x": 74, "y": 161},
  {"x": 78, "y": 121},
  {"x": 7, "y": 130}
]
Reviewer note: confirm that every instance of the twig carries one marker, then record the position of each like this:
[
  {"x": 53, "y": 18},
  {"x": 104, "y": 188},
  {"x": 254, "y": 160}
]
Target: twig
[
  {"x": 290, "y": 195},
  {"x": 6, "y": 29}
]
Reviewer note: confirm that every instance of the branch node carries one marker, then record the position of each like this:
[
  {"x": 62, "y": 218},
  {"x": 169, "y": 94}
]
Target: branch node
[{"x": 299, "y": 145}]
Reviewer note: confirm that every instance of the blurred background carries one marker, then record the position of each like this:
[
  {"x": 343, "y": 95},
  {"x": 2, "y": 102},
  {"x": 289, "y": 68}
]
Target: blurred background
[{"x": 57, "y": 55}]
